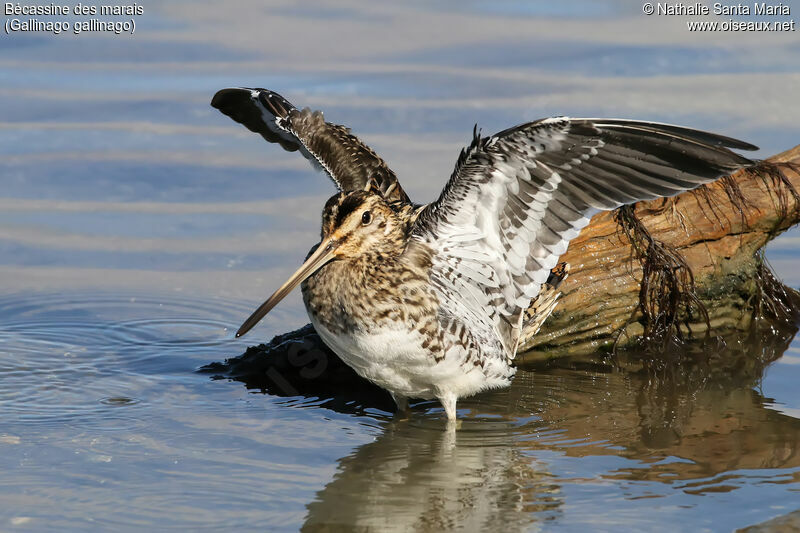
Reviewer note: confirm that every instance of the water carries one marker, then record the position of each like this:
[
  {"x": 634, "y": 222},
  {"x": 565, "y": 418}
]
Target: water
[{"x": 138, "y": 227}]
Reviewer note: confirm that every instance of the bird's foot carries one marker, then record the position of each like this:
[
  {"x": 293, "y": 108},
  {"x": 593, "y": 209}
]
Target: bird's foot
[{"x": 402, "y": 412}]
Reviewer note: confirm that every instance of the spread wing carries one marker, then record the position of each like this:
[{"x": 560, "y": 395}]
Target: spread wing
[
  {"x": 331, "y": 147},
  {"x": 516, "y": 199}
]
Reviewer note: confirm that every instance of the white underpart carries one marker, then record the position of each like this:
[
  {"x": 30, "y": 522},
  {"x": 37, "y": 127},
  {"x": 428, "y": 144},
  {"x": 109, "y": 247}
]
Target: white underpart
[{"x": 392, "y": 357}]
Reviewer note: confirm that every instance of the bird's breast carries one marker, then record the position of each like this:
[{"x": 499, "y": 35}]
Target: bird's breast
[{"x": 348, "y": 297}]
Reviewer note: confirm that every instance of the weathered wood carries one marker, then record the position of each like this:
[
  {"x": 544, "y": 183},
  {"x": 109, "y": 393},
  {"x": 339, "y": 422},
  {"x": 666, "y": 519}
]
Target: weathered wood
[{"x": 718, "y": 230}]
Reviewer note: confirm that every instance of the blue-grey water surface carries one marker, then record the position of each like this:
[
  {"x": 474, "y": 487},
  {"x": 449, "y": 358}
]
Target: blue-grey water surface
[{"x": 138, "y": 227}]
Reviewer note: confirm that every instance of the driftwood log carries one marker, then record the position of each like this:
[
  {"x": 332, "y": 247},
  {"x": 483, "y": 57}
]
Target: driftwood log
[
  {"x": 654, "y": 276},
  {"x": 666, "y": 270}
]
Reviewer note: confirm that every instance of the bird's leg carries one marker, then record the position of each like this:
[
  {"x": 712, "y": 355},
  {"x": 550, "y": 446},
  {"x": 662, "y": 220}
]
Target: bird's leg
[
  {"x": 449, "y": 403},
  {"x": 402, "y": 405}
]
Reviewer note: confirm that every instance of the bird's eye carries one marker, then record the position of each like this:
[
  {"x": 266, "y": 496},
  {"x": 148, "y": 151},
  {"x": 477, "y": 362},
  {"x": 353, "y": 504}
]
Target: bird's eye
[{"x": 366, "y": 218}]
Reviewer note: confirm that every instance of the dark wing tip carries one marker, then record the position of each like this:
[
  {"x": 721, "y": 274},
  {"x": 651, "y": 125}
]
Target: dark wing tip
[
  {"x": 233, "y": 98},
  {"x": 694, "y": 151},
  {"x": 237, "y": 103},
  {"x": 705, "y": 137},
  {"x": 736, "y": 144},
  {"x": 223, "y": 97},
  {"x": 250, "y": 106}
]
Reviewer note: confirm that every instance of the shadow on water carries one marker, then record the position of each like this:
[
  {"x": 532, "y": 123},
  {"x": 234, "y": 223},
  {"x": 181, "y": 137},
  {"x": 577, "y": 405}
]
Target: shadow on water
[
  {"x": 299, "y": 364},
  {"x": 687, "y": 423}
]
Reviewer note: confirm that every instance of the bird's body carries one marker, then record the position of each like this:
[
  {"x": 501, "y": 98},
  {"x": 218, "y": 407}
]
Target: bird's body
[
  {"x": 381, "y": 315},
  {"x": 432, "y": 301}
]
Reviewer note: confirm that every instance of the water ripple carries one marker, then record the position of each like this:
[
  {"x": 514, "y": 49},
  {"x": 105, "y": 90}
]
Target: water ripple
[
  {"x": 166, "y": 332},
  {"x": 86, "y": 359}
]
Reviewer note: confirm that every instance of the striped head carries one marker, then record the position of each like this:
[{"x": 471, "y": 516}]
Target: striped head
[
  {"x": 355, "y": 225},
  {"x": 359, "y": 223}
]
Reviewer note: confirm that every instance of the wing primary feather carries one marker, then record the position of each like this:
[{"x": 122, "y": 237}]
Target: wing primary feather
[{"x": 701, "y": 136}]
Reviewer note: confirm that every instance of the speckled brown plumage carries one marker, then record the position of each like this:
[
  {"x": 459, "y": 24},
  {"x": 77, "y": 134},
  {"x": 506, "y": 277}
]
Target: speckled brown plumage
[
  {"x": 432, "y": 301},
  {"x": 383, "y": 283}
]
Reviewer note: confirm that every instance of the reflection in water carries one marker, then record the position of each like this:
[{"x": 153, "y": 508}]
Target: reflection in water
[
  {"x": 702, "y": 406},
  {"x": 420, "y": 478},
  {"x": 685, "y": 424}
]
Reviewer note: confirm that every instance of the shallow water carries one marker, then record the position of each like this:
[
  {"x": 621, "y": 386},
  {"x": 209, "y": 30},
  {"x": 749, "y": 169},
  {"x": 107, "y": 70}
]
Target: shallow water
[{"x": 138, "y": 227}]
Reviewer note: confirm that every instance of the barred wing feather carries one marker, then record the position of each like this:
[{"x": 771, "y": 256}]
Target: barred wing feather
[
  {"x": 330, "y": 147},
  {"x": 516, "y": 199}
]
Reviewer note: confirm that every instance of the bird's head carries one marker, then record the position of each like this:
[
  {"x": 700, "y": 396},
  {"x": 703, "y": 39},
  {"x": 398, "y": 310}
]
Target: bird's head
[{"x": 354, "y": 224}]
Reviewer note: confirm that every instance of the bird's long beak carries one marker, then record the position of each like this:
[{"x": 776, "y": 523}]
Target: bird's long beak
[{"x": 322, "y": 255}]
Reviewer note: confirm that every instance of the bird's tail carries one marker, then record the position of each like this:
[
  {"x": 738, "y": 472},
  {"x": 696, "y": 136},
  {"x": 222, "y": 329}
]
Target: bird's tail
[{"x": 544, "y": 304}]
